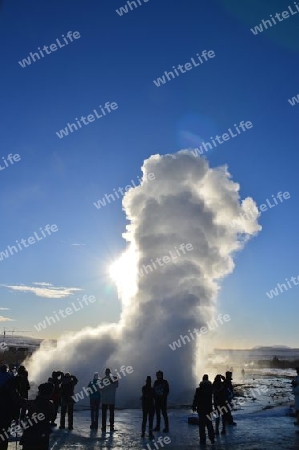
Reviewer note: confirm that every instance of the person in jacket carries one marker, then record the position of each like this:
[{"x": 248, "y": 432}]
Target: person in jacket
[
  {"x": 94, "y": 400},
  {"x": 23, "y": 383},
  {"x": 148, "y": 407},
  {"x": 56, "y": 379},
  {"x": 39, "y": 414},
  {"x": 108, "y": 392},
  {"x": 220, "y": 402},
  {"x": 203, "y": 404},
  {"x": 161, "y": 388},
  {"x": 68, "y": 384},
  {"x": 10, "y": 404},
  {"x": 295, "y": 385},
  {"x": 229, "y": 397}
]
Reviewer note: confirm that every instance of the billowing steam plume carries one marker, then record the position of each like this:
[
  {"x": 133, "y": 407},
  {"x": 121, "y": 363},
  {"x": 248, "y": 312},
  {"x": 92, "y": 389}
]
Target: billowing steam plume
[{"x": 186, "y": 203}]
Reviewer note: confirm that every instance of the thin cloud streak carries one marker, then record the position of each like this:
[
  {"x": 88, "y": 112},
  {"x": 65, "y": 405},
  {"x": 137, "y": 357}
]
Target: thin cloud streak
[{"x": 45, "y": 290}]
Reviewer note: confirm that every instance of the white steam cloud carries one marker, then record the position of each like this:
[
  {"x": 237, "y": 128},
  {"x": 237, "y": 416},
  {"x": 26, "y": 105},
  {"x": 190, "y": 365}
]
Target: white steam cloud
[{"x": 187, "y": 202}]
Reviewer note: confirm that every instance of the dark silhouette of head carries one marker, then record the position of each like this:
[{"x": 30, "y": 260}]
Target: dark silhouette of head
[
  {"x": 205, "y": 377},
  {"x": 45, "y": 390},
  {"x": 148, "y": 380},
  {"x": 3, "y": 368},
  {"x": 159, "y": 375}
]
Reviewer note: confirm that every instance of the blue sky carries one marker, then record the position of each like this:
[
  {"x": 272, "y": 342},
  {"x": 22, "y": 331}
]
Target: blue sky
[{"x": 116, "y": 59}]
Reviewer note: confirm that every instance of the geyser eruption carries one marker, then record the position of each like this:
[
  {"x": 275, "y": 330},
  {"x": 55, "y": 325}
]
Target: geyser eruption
[{"x": 180, "y": 244}]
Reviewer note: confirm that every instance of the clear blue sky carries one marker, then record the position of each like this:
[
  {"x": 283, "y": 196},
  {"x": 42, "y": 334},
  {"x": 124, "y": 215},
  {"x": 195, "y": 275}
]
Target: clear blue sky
[{"x": 116, "y": 59}]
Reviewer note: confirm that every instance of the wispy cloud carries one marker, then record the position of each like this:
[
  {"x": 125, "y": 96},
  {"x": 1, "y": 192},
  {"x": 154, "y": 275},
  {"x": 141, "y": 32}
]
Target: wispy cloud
[
  {"x": 45, "y": 290},
  {"x": 6, "y": 319},
  {"x": 4, "y": 309}
]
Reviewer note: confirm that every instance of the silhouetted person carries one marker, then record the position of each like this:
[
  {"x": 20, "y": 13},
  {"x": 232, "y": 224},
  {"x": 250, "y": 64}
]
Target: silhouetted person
[
  {"x": 220, "y": 402},
  {"x": 108, "y": 391},
  {"x": 39, "y": 415},
  {"x": 68, "y": 384},
  {"x": 23, "y": 383},
  {"x": 295, "y": 384},
  {"x": 94, "y": 400},
  {"x": 56, "y": 396},
  {"x": 10, "y": 404},
  {"x": 203, "y": 404},
  {"x": 161, "y": 388},
  {"x": 229, "y": 396},
  {"x": 148, "y": 407}
]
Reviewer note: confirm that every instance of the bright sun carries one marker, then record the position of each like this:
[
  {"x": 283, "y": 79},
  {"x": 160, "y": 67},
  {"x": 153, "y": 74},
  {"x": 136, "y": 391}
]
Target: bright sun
[{"x": 124, "y": 274}]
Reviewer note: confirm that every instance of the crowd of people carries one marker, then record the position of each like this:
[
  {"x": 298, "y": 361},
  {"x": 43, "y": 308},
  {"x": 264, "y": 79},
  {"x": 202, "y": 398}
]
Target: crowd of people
[{"x": 36, "y": 418}]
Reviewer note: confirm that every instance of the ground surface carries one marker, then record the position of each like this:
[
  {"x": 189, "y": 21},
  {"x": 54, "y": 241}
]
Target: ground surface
[
  {"x": 261, "y": 408},
  {"x": 270, "y": 429}
]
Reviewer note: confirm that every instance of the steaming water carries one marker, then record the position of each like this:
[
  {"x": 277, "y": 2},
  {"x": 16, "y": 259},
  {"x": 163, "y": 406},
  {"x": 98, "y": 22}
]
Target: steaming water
[{"x": 187, "y": 202}]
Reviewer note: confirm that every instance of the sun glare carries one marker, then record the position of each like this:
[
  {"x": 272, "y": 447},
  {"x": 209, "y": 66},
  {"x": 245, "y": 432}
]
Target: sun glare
[{"x": 124, "y": 274}]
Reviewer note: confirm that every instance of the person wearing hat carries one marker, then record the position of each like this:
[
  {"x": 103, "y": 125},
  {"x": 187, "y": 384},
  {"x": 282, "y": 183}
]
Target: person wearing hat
[
  {"x": 94, "y": 400},
  {"x": 161, "y": 388},
  {"x": 68, "y": 384},
  {"x": 148, "y": 407},
  {"x": 229, "y": 396},
  {"x": 40, "y": 412}
]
